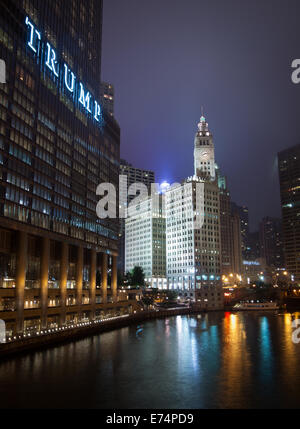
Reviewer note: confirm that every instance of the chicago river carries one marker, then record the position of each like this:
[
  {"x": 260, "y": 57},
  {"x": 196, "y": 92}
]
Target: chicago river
[{"x": 213, "y": 360}]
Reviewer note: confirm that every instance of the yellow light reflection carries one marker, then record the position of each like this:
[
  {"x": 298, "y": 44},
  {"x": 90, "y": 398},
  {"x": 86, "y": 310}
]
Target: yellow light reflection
[{"x": 236, "y": 363}]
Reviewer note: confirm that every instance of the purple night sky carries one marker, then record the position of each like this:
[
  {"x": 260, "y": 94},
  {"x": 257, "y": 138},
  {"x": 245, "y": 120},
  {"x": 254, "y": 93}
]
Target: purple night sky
[{"x": 167, "y": 58}]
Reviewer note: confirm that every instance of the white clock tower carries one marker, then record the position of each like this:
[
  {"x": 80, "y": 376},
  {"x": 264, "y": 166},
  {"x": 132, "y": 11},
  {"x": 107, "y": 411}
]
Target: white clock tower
[{"x": 204, "y": 152}]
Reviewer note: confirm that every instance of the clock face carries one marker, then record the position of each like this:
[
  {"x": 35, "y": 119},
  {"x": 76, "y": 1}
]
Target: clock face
[{"x": 205, "y": 154}]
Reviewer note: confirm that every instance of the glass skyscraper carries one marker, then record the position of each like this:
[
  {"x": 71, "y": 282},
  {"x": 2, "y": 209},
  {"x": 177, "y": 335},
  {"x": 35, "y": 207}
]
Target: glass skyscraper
[
  {"x": 289, "y": 177},
  {"x": 58, "y": 261}
]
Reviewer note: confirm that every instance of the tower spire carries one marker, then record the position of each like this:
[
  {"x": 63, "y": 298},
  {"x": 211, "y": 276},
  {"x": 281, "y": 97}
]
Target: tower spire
[
  {"x": 202, "y": 125},
  {"x": 204, "y": 157}
]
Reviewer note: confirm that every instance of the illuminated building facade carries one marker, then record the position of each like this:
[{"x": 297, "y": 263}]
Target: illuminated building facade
[
  {"x": 145, "y": 240},
  {"x": 137, "y": 175},
  {"x": 134, "y": 175},
  {"x": 289, "y": 178},
  {"x": 58, "y": 261},
  {"x": 254, "y": 271},
  {"x": 193, "y": 252}
]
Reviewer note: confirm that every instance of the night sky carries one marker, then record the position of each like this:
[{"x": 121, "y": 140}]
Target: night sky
[{"x": 167, "y": 58}]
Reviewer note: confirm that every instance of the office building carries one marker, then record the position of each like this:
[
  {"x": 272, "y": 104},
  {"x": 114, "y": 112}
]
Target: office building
[
  {"x": 271, "y": 244},
  {"x": 230, "y": 225},
  {"x": 134, "y": 175},
  {"x": 289, "y": 178},
  {"x": 253, "y": 250},
  {"x": 107, "y": 97},
  {"x": 193, "y": 237},
  {"x": 225, "y": 227},
  {"x": 254, "y": 271},
  {"x": 58, "y": 261},
  {"x": 243, "y": 214},
  {"x": 236, "y": 252},
  {"x": 145, "y": 240}
]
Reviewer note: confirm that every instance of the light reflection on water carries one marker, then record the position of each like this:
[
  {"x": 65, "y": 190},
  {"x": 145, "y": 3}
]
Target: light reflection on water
[{"x": 214, "y": 360}]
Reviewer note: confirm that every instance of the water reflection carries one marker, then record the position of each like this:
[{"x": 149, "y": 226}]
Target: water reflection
[
  {"x": 215, "y": 360},
  {"x": 266, "y": 355},
  {"x": 235, "y": 368}
]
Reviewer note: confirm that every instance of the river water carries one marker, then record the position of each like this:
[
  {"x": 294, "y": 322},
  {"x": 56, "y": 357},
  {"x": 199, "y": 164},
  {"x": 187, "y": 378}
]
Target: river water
[{"x": 215, "y": 360}]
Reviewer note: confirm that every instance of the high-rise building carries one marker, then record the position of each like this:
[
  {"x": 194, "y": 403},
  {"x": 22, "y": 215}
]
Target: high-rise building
[
  {"x": 56, "y": 146},
  {"x": 134, "y": 175},
  {"x": 230, "y": 225},
  {"x": 254, "y": 271},
  {"x": 194, "y": 251},
  {"x": 289, "y": 177},
  {"x": 236, "y": 252},
  {"x": 253, "y": 250},
  {"x": 108, "y": 97},
  {"x": 225, "y": 227},
  {"x": 244, "y": 219},
  {"x": 253, "y": 264},
  {"x": 145, "y": 240},
  {"x": 271, "y": 245}
]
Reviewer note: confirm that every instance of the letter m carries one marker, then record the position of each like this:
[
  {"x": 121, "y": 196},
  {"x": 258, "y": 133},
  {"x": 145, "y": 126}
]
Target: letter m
[{"x": 85, "y": 98}]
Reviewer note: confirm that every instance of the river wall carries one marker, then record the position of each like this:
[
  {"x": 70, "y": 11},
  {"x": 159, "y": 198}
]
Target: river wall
[{"x": 76, "y": 333}]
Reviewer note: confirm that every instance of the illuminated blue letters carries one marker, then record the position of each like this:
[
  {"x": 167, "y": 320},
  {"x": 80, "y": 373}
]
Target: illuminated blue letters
[
  {"x": 70, "y": 86},
  {"x": 51, "y": 60},
  {"x": 47, "y": 58},
  {"x": 34, "y": 36},
  {"x": 85, "y": 99},
  {"x": 97, "y": 111}
]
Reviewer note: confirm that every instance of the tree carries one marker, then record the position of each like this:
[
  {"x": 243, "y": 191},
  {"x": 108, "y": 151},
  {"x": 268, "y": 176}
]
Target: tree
[
  {"x": 172, "y": 295},
  {"x": 128, "y": 279},
  {"x": 121, "y": 278},
  {"x": 137, "y": 277},
  {"x": 147, "y": 301}
]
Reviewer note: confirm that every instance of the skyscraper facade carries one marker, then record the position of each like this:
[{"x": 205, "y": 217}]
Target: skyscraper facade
[
  {"x": 193, "y": 250},
  {"x": 133, "y": 175},
  {"x": 145, "y": 240},
  {"x": 136, "y": 175},
  {"x": 230, "y": 225},
  {"x": 271, "y": 244},
  {"x": 236, "y": 246},
  {"x": 289, "y": 178},
  {"x": 225, "y": 226},
  {"x": 253, "y": 250},
  {"x": 56, "y": 146},
  {"x": 243, "y": 214},
  {"x": 108, "y": 97}
]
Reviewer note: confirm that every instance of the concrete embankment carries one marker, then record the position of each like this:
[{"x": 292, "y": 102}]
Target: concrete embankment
[{"x": 76, "y": 333}]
